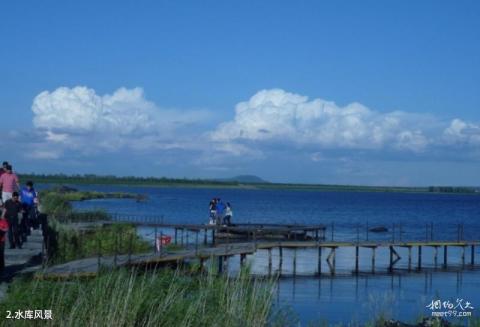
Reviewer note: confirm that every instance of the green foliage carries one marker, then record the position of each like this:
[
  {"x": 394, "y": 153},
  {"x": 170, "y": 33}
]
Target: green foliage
[
  {"x": 58, "y": 204},
  {"x": 128, "y": 180},
  {"x": 163, "y": 181},
  {"x": 113, "y": 239},
  {"x": 162, "y": 298}
]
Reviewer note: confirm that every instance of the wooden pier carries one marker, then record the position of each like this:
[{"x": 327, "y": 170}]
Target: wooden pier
[
  {"x": 221, "y": 252},
  {"x": 241, "y": 231}
]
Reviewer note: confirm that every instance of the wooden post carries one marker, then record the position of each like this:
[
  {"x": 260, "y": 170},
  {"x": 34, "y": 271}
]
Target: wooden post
[
  {"x": 269, "y": 261},
  {"x": 409, "y": 258},
  {"x": 419, "y": 257},
  {"x": 225, "y": 261},
  {"x": 294, "y": 262},
  {"x": 316, "y": 235},
  {"x": 196, "y": 241},
  {"x": 116, "y": 249},
  {"x": 161, "y": 243},
  {"x": 356, "y": 259},
  {"x": 205, "y": 236},
  {"x": 99, "y": 252},
  {"x": 183, "y": 230},
  {"x": 80, "y": 247},
  {"x": 319, "y": 260},
  {"x": 213, "y": 236},
  {"x": 390, "y": 267},
  {"x": 401, "y": 232},
  {"x": 333, "y": 226},
  {"x": 228, "y": 239},
  {"x": 435, "y": 256},
  {"x": 176, "y": 232},
  {"x": 367, "y": 231},
  {"x": 373, "y": 259},
  {"x": 186, "y": 236},
  {"x": 472, "y": 255},
  {"x": 280, "y": 261},
  {"x": 220, "y": 264},
  {"x": 334, "y": 259},
  {"x": 445, "y": 247},
  {"x": 130, "y": 244},
  {"x": 242, "y": 259},
  {"x": 331, "y": 260},
  {"x": 463, "y": 255},
  {"x": 155, "y": 241}
]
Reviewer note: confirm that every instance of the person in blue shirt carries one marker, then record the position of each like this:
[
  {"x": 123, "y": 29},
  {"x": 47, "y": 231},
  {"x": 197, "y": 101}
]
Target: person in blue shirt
[
  {"x": 29, "y": 199},
  {"x": 220, "y": 211}
]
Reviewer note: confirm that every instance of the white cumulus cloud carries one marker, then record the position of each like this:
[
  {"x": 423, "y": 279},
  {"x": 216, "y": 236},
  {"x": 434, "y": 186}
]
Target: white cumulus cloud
[
  {"x": 80, "y": 118},
  {"x": 272, "y": 123},
  {"x": 277, "y": 115},
  {"x": 460, "y": 132}
]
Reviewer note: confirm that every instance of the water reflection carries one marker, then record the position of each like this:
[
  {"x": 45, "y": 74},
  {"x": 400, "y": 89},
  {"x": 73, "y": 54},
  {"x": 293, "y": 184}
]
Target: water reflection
[{"x": 360, "y": 298}]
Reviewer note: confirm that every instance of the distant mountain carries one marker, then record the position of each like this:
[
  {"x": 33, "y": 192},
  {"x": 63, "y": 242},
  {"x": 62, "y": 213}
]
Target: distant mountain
[{"x": 243, "y": 179}]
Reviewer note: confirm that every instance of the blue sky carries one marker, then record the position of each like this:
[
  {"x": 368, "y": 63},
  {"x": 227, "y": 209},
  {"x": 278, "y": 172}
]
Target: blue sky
[{"x": 296, "y": 91}]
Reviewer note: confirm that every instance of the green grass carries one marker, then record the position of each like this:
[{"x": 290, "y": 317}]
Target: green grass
[
  {"x": 68, "y": 244},
  {"x": 58, "y": 204},
  {"x": 159, "y": 298}
]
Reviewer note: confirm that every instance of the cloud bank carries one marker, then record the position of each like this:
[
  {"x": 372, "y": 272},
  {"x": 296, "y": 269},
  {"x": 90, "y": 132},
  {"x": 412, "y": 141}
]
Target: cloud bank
[
  {"x": 80, "y": 120},
  {"x": 279, "y": 116}
]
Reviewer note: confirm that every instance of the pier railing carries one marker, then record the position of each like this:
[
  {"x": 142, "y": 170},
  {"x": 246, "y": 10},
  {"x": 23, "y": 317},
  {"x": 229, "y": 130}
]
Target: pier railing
[
  {"x": 396, "y": 231},
  {"x": 190, "y": 240}
]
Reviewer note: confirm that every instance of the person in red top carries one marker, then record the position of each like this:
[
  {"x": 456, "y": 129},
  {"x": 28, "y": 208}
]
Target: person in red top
[
  {"x": 3, "y": 233},
  {"x": 9, "y": 183}
]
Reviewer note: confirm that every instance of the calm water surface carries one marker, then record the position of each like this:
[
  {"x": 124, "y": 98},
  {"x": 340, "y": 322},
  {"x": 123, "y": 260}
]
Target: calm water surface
[{"x": 343, "y": 298}]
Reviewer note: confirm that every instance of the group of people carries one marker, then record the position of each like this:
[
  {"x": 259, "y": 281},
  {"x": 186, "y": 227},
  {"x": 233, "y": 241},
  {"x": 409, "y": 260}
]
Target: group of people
[
  {"x": 18, "y": 210},
  {"x": 220, "y": 213}
]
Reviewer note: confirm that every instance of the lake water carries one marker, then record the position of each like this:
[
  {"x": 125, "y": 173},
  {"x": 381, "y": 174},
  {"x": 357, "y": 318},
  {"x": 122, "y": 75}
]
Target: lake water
[{"x": 342, "y": 298}]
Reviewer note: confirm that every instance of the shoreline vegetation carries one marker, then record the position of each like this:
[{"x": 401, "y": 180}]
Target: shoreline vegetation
[{"x": 178, "y": 182}]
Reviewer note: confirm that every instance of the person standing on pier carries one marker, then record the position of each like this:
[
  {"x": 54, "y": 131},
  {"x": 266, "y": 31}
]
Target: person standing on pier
[
  {"x": 220, "y": 208},
  {"x": 228, "y": 215},
  {"x": 13, "y": 209},
  {"x": 9, "y": 183},
  {"x": 212, "y": 207},
  {"x": 29, "y": 199}
]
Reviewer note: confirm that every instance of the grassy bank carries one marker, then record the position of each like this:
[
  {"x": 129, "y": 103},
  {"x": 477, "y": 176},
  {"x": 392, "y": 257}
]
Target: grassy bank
[
  {"x": 67, "y": 242},
  {"x": 57, "y": 204},
  {"x": 160, "y": 298}
]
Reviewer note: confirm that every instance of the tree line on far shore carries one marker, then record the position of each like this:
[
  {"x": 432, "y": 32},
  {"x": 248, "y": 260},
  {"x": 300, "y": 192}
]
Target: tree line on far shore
[{"x": 165, "y": 181}]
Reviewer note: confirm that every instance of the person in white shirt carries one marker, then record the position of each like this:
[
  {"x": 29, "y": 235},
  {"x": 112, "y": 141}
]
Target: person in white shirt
[{"x": 228, "y": 215}]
